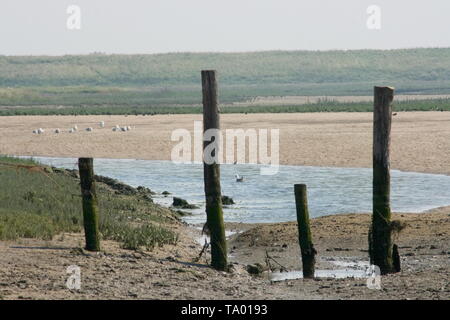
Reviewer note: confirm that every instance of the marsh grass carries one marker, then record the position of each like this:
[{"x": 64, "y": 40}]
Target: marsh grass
[
  {"x": 170, "y": 83},
  {"x": 322, "y": 106},
  {"x": 38, "y": 205},
  {"x": 134, "y": 237}
]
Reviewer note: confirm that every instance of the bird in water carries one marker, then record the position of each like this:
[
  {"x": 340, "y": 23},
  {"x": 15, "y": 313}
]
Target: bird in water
[{"x": 238, "y": 177}]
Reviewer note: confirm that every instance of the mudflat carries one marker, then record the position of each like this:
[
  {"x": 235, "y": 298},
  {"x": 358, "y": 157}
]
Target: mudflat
[{"x": 36, "y": 269}]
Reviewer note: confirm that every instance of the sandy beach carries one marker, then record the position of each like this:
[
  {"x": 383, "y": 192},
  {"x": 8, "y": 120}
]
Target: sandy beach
[
  {"x": 36, "y": 269},
  {"x": 420, "y": 140}
]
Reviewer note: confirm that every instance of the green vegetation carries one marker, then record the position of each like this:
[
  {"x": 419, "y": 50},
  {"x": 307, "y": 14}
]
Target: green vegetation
[
  {"x": 180, "y": 69},
  {"x": 170, "y": 83},
  {"x": 329, "y": 106},
  {"x": 133, "y": 237},
  {"x": 36, "y": 202}
]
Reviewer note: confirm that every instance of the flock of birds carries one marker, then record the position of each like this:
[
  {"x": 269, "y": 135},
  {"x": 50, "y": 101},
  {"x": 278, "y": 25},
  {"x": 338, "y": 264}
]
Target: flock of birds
[
  {"x": 101, "y": 124},
  {"x": 89, "y": 129}
]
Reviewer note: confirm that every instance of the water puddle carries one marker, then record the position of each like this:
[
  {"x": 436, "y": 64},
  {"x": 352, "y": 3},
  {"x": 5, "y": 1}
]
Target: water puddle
[
  {"x": 353, "y": 269},
  {"x": 336, "y": 274}
]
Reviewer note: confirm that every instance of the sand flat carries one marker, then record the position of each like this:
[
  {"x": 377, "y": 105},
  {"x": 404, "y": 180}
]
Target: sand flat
[
  {"x": 420, "y": 140},
  {"x": 36, "y": 269}
]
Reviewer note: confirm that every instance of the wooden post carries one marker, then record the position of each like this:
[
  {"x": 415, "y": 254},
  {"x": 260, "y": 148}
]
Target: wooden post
[
  {"x": 90, "y": 209},
  {"x": 304, "y": 231},
  {"x": 380, "y": 244},
  {"x": 214, "y": 213}
]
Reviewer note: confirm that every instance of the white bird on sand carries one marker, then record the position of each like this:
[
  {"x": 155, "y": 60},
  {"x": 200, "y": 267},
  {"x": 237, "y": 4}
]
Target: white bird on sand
[
  {"x": 75, "y": 128},
  {"x": 102, "y": 124},
  {"x": 72, "y": 130},
  {"x": 40, "y": 131}
]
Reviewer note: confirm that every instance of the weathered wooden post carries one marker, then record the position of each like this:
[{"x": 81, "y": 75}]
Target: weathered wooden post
[
  {"x": 380, "y": 239},
  {"x": 304, "y": 231},
  {"x": 211, "y": 171},
  {"x": 90, "y": 209}
]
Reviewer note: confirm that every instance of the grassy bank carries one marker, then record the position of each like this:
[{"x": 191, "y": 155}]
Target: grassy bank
[{"x": 39, "y": 202}]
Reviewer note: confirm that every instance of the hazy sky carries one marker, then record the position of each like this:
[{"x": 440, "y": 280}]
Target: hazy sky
[{"x": 31, "y": 27}]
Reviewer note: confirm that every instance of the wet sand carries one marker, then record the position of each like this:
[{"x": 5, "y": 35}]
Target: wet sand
[
  {"x": 36, "y": 269},
  {"x": 341, "y": 243}
]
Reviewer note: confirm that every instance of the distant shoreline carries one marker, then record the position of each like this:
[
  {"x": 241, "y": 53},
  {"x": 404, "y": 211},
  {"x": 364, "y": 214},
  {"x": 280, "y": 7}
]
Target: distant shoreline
[{"x": 258, "y": 105}]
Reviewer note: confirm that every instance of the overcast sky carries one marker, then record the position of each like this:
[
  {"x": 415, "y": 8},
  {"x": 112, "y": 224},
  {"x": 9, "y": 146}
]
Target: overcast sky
[{"x": 32, "y": 27}]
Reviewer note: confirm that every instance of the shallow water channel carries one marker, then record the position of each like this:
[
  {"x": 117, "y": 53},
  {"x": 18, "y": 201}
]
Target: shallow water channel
[{"x": 270, "y": 198}]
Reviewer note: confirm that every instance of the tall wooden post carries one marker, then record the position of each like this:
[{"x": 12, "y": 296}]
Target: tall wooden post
[
  {"x": 214, "y": 213},
  {"x": 304, "y": 231},
  {"x": 380, "y": 241},
  {"x": 90, "y": 209}
]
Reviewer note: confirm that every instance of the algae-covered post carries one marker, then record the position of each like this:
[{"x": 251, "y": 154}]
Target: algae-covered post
[
  {"x": 211, "y": 171},
  {"x": 380, "y": 238},
  {"x": 90, "y": 209},
  {"x": 304, "y": 232}
]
